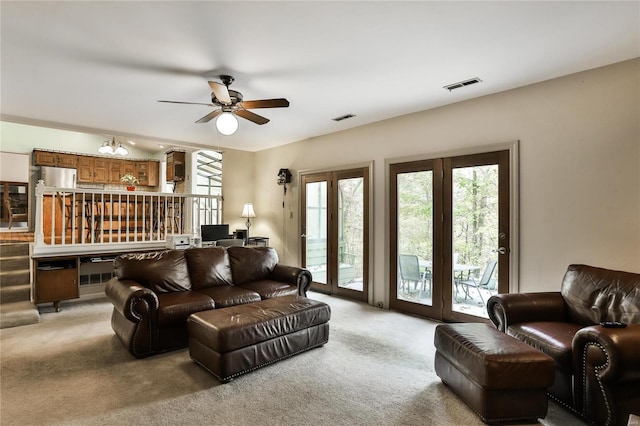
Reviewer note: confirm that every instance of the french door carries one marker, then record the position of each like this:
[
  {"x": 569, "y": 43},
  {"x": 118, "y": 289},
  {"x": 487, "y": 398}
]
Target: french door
[
  {"x": 335, "y": 231},
  {"x": 449, "y": 235}
]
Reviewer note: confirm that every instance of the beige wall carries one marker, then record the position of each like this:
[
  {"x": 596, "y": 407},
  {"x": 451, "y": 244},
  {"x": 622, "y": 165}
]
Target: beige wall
[{"x": 579, "y": 170}]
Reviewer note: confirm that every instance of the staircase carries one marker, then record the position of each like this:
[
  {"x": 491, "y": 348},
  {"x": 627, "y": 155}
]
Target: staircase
[{"x": 15, "y": 288}]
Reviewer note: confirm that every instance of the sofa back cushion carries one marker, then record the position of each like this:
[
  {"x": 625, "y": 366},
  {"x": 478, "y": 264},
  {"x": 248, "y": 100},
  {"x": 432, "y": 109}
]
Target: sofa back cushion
[
  {"x": 251, "y": 263},
  {"x": 160, "y": 271},
  {"x": 595, "y": 294},
  {"x": 208, "y": 267}
]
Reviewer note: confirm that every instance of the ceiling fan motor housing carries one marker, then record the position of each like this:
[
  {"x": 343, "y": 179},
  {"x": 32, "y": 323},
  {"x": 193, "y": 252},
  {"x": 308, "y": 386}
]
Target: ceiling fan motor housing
[{"x": 234, "y": 95}]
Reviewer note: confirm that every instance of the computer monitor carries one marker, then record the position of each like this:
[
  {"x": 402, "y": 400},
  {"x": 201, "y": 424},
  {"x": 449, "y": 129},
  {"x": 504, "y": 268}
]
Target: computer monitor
[{"x": 214, "y": 232}]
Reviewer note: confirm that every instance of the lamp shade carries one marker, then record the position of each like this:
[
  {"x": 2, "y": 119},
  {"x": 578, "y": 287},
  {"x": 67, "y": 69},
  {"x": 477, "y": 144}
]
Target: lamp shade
[
  {"x": 227, "y": 124},
  {"x": 247, "y": 211}
]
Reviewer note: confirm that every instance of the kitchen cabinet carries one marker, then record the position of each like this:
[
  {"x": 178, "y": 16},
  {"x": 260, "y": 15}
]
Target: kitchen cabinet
[
  {"x": 100, "y": 170},
  {"x": 115, "y": 170},
  {"x": 142, "y": 172},
  {"x": 69, "y": 161},
  {"x": 44, "y": 158},
  {"x": 85, "y": 169},
  {"x": 154, "y": 173},
  {"x": 95, "y": 169},
  {"x": 175, "y": 166}
]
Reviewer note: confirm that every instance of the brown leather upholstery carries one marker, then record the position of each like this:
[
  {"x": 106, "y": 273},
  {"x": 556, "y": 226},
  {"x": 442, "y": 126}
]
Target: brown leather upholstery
[
  {"x": 597, "y": 369},
  {"x": 161, "y": 272},
  {"x": 499, "y": 377},
  {"x": 232, "y": 341},
  {"x": 154, "y": 293},
  {"x": 209, "y": 267}
]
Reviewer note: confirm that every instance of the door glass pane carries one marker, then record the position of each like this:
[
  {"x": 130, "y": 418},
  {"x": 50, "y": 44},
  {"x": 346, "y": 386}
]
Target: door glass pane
[
  {"x": 475, "y": 238},
  {"x": 415, "y": 236},
  {"x": 351, "y": 233},
  {"x": 316, "y": 240}
]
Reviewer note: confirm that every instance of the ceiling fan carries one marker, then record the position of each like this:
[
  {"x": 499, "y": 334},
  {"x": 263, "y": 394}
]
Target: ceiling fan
[{"x": 231, "y": 103}]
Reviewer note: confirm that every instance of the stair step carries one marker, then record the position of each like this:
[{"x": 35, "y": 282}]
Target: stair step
[
  {"x": 8, "y": 263},
  {"x": 17, "y": 249},
  {"x": 14, "y": 277},
  {"x": 17, "y": 314},
  {"x": 15, "y": 293}
]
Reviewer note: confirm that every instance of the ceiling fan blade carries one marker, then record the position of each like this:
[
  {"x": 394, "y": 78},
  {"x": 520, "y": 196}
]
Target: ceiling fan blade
[
  {"x": 221, "y": 92},
  {"x": 265, "y": 103},
  {"x": 188, "y": 103},
  {"x": 210, "y": 116},
  {"x": 258, "y": 119}
]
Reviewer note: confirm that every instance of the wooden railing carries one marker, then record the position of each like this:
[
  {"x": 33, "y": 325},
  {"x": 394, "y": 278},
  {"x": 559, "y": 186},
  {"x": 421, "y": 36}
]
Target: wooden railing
[{"x": 80, "y": 220}]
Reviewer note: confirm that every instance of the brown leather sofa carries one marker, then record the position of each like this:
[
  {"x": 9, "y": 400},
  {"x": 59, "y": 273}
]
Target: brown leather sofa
[
  {"x": 597, "y": 369},
  {"x": 154, "y": 293}
]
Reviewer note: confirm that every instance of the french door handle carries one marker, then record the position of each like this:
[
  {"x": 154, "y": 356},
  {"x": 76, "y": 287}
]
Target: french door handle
[
  {"x": 303, "y": 235},
  {"x": 501, "y": 250}
]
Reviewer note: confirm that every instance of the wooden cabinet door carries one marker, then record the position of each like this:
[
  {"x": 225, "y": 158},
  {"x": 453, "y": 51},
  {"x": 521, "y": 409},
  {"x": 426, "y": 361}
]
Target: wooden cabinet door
[
  {"x": 170, "y": 167},
  {"x": 115, "y": 171},
  {"x": 44, "y": 158},
  {"x": 129, "y": 168},
  {"x": 67, "y": 160},
  {"x": 154, "y": 170},
  {"x": 85, "y": 169},
  {"x": 101, "y": 170},
  {"x": 56, "y": 285},
  {"x": 143, "y": 172}
]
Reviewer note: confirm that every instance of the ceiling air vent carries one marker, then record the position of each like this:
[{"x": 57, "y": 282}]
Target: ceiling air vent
[
  {"x": 344, "y": 117},
  {"x": 469, "y": 82}
]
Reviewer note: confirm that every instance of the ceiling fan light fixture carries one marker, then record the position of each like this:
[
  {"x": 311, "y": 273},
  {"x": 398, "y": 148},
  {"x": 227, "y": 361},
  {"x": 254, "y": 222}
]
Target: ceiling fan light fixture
[{"x": 227, "y": 124}]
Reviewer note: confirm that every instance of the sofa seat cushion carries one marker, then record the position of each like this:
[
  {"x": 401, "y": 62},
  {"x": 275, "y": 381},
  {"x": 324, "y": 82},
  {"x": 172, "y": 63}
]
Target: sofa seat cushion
[
  {"x": 552, "y": 338},
  {"x": 268, "y": 289},
  {"x": 174, "y": 308},
  {"x": 228, "y": 295}
]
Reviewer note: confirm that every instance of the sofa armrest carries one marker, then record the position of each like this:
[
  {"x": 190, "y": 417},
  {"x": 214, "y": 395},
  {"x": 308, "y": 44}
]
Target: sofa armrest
[
  {"x": 299, "y": 277},
  {"x": 606, "y": 360},
  {"x": 615, "y": 352},
  {"x": 132, "y": 300},
  {"x": 507, "y": 309}
]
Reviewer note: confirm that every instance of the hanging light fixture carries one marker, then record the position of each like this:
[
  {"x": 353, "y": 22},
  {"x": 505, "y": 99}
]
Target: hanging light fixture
[
  {"x": 110, "y": 148},
  {"x": 227, "y": 123}
]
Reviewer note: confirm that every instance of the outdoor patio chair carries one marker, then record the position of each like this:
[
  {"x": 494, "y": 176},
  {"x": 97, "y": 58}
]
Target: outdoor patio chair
[
  {"x": 410, "y": 272},
  {"x": 484, "y": 282}
]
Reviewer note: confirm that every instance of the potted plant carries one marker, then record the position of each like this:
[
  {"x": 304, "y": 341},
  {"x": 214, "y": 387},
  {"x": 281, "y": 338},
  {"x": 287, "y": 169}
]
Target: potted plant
[{"x": 130, "y": 180}]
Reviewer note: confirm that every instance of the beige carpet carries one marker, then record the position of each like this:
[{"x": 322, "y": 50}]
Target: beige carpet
[{"x": 377, "y": 369}]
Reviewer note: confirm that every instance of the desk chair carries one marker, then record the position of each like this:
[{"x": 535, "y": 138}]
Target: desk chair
[
  {"x": 229, "y": 242},
  {"x": 485, "y": 279}
]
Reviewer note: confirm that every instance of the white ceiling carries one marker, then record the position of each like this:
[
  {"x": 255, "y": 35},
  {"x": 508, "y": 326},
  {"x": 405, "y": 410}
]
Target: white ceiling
[{"x": 101, "y": 66}]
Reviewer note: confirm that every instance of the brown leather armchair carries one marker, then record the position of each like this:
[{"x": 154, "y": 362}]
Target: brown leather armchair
[{"x": 597, "y": 368}]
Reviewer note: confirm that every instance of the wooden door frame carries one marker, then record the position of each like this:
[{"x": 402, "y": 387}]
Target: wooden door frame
[
  {"x": 333, "y": 176},
  {"x": 512, "y": 153}
]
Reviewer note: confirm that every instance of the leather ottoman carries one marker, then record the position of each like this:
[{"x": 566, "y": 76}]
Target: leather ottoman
[
  {"x": 235, "y": 340},
  {"x": 500, "y": 378}
]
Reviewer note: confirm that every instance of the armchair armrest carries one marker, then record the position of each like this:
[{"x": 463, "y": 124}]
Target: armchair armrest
[
  {"x": 299, "y": 277},
  {"x": 132, "y": 300},
  {"x": 508, "y": 309},
  {"x": 615, "y": 355},
  {"x": 607, "y": 372}
]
